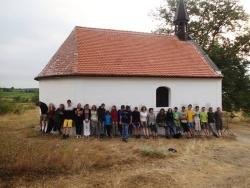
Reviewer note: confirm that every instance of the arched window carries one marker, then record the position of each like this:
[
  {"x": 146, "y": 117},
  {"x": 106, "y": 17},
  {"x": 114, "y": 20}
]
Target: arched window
[{"x": 162, "y": 97}]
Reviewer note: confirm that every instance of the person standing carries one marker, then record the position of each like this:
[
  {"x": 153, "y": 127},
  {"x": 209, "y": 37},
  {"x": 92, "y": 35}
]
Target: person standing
[
  {"x": 151, "y": 119},
  {"x": 170, "y": 130},
  {"x": 184, "y": 121},
  {"x": 218, "y": 121},
  {"x": 190, "y": 120},
  {"x": 177, "y": 118},
  {"x": 51, "y": 118},
  {"x": 68, "y": 119},
  {"x": 197, "y": 121},
  {"x": 43, "y": 116},
  {"x": 100, "y": 128},
  {"x": 79, "y": 120},
  {"x": 204, "y": 121},
  {"x": 86, "y": 121},
  {"x": 119, "y": 119},
  {"x": 114, "y": 115},
  {"x": 59, "y": 115},
  {"x": 126, "y": 119},
  {"x": 161, "y": 119},
  {"x": 108, "y": 123},
  {"x": 143, "y": 118},
  {"x": 93, "y": 121},
  {"x": 136, "y": 122},
  {"x": 211, "y": 121}
]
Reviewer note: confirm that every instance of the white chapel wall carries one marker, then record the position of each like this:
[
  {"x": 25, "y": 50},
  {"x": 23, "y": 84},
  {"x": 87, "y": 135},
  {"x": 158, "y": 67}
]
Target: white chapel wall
[{"x": 131, "y": 91}]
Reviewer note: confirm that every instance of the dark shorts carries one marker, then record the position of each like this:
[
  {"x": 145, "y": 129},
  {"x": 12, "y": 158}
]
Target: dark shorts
[
  {"x": 136, "y": 124},
  {"x": 153, "y": 128},
  {"x": 204, "y": 125},
  {"x": 185, "y": 127}
]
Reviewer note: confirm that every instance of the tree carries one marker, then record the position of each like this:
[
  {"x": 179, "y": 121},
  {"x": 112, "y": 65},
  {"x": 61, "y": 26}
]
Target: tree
[{"x": 220, "y": 28}]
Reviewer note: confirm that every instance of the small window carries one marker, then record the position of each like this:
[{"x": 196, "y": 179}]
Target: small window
[{"x": 162, "y": 97}]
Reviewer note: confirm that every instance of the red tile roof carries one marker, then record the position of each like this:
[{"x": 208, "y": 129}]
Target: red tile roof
[{"x": 104, "y": 52}]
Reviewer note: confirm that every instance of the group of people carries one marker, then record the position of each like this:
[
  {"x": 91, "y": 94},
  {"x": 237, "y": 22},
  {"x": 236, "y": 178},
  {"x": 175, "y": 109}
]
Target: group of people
[{"x": 100, "y": 122}]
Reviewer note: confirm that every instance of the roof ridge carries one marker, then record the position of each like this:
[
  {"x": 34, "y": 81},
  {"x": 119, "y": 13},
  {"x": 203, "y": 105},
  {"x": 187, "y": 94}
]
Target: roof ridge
[{"x": 124, "y": 31}]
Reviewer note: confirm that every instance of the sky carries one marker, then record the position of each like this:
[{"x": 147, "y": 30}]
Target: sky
[{"x": 32, "y": 30}]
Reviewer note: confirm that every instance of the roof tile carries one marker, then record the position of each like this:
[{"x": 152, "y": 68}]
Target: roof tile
[{"x": 103, "y": 52}]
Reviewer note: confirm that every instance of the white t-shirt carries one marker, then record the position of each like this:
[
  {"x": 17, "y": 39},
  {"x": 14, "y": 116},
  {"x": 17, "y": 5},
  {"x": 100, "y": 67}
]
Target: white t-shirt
[
  {"x": 143, "y": 116},
  {"x": 69, "y": 107}
]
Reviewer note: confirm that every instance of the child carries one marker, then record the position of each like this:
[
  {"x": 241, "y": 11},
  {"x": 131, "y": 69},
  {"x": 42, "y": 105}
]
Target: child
[
  {"x": 136, "y": 122},
  {"x": 59, "y": 118},
  {"x": 184, "y": 124},
  {"x": 152, "y": 123},
  {"x": 211, "y": 121},
  {"x": 93, "y": 120},
  {"x": 177, "y": 116},
  {"x": 79, "y": 120},
  {"x": 204, "y": 121},
  {"x": 218, "y": 121},
  {"x": 108, "y": 123},
  {"x": 190, "y": 119},
  {"x": 197, "y": 121},
  {"x": 114, "y": 115},
  {"x": 143, "y": 119},
  {"x": 86, "y": 121},
  {"x": 68, "y": 119}
]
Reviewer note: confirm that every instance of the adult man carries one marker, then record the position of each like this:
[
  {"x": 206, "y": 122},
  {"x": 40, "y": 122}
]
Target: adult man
[
  {"x": 68, "y": 119},
  {"x": 100, "y": 127},
  {"x": 126, "y": 120}
]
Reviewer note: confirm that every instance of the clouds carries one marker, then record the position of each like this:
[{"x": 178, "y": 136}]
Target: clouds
[{"x": 31, "y": 31}]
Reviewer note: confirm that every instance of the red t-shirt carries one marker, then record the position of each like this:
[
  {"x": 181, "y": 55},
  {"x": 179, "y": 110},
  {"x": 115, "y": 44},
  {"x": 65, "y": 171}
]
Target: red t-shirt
[{"x": 114, "y": 115}]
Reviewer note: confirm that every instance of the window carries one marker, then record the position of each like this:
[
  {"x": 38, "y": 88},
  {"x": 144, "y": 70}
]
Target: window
[{"x": 162, "y": 97}]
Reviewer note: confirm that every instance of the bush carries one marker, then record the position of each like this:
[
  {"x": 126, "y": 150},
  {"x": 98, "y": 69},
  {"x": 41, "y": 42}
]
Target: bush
[
  {"x": 35, "y": 98},
  {"x": 5, "y": 107}
]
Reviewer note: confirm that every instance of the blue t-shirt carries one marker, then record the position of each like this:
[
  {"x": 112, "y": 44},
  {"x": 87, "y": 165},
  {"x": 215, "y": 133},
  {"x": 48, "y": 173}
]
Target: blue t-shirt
[{"x": 107, "y": 120}]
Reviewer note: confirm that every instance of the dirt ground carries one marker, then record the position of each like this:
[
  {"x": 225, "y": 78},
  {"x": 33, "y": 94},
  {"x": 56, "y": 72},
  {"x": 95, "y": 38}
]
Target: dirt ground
[{"x": 30, "y": 159}]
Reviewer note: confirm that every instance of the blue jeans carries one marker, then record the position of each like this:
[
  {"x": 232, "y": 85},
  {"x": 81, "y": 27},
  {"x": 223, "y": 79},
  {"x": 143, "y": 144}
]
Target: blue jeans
[
  {"x": 124, "y": 131},
  {"x": 170, "y": 129}
]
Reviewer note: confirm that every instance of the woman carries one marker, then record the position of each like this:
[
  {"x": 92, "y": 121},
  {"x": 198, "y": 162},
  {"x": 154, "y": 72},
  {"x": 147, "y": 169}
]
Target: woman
[
  {"x": 114, "y": 115},
  {"x": 51, "y": 118},
  {"x": 93, "y": 120},
  {"x": 161, "y": 118},
  {"x": 143, "y": 119},
  {"x": 59, "y": 114},
  {"x": 86, "y": 121},
  {"x": 79, "y": 120},
  {"x": 152, "y": 122},
  {"x": 170, "y": 132}
]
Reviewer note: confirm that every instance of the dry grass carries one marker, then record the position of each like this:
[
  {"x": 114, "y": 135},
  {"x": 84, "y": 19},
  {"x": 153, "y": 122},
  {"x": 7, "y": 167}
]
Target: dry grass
[{"x": 29, "y": 159}]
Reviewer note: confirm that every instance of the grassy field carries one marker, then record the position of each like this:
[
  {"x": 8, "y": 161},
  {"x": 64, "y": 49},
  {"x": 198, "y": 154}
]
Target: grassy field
[
  {"x": 17, "y": 100},
  {"x": 29, "y": 159}
]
